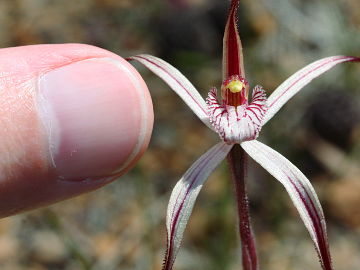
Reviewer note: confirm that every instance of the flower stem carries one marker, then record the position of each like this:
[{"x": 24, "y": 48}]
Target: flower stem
[{"x": 237, "y": 159}]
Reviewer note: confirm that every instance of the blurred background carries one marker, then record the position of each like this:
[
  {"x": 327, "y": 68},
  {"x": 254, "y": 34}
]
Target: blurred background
[{"x": 122, "y": 226}]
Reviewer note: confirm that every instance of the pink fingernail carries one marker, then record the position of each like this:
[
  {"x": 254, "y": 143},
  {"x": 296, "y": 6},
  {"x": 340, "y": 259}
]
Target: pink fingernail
[{"x": 96, "y": 116}]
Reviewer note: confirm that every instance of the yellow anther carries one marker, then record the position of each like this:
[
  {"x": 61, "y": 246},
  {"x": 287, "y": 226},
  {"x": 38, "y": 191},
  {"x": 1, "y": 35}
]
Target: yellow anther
[
  {"x": 235, "y": 86},
  {"x": 234, "y": 91}
]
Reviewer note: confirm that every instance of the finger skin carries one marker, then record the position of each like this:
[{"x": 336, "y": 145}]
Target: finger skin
[{"x": 28, "y": 178}]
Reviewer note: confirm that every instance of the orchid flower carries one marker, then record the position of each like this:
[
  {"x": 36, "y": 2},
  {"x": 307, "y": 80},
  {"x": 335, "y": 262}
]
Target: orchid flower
[{"x": 238, "y": 122}]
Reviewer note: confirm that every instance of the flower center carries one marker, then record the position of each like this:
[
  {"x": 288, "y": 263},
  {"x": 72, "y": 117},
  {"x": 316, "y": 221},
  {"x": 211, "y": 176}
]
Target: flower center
[
  {"x": 234, "y": 91},
  {"x": 235, "y": 120}
]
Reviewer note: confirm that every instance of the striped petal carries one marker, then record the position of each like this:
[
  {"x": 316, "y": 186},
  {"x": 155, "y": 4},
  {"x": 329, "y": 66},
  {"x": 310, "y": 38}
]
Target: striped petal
[
  {"x": 184, "y": 195},
  {"x": 232, "y": 48},
  {"x": 300, "y": 79},
  {"x": 301, "y": 193},
  {"x": 177, "y": 82},
  {"x": 237, "y": 124}
]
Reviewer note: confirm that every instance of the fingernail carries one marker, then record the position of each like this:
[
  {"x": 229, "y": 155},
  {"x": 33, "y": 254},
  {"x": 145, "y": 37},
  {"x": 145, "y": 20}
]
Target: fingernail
[{"x": 95, "y": 116}]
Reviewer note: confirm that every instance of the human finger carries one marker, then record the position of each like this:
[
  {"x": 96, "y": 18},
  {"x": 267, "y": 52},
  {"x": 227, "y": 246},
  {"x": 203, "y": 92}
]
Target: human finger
[{"x": 72, "y": 118}]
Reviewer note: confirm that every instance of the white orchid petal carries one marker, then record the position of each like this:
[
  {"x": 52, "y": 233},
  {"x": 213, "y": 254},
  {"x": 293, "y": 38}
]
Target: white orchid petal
[
  {"x": 300, "y": 79},
  {"x": 301, "y": 193},
  {"x": 184, "y": 195},
  {"x": 177, "y": 82}
]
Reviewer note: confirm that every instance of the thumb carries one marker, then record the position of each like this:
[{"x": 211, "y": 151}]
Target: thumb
[{"x": 72, "y": 118}]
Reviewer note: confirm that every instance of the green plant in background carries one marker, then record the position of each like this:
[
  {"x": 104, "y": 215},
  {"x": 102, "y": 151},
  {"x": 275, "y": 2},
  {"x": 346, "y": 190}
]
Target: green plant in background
[{"x": 238, "y": 123}]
